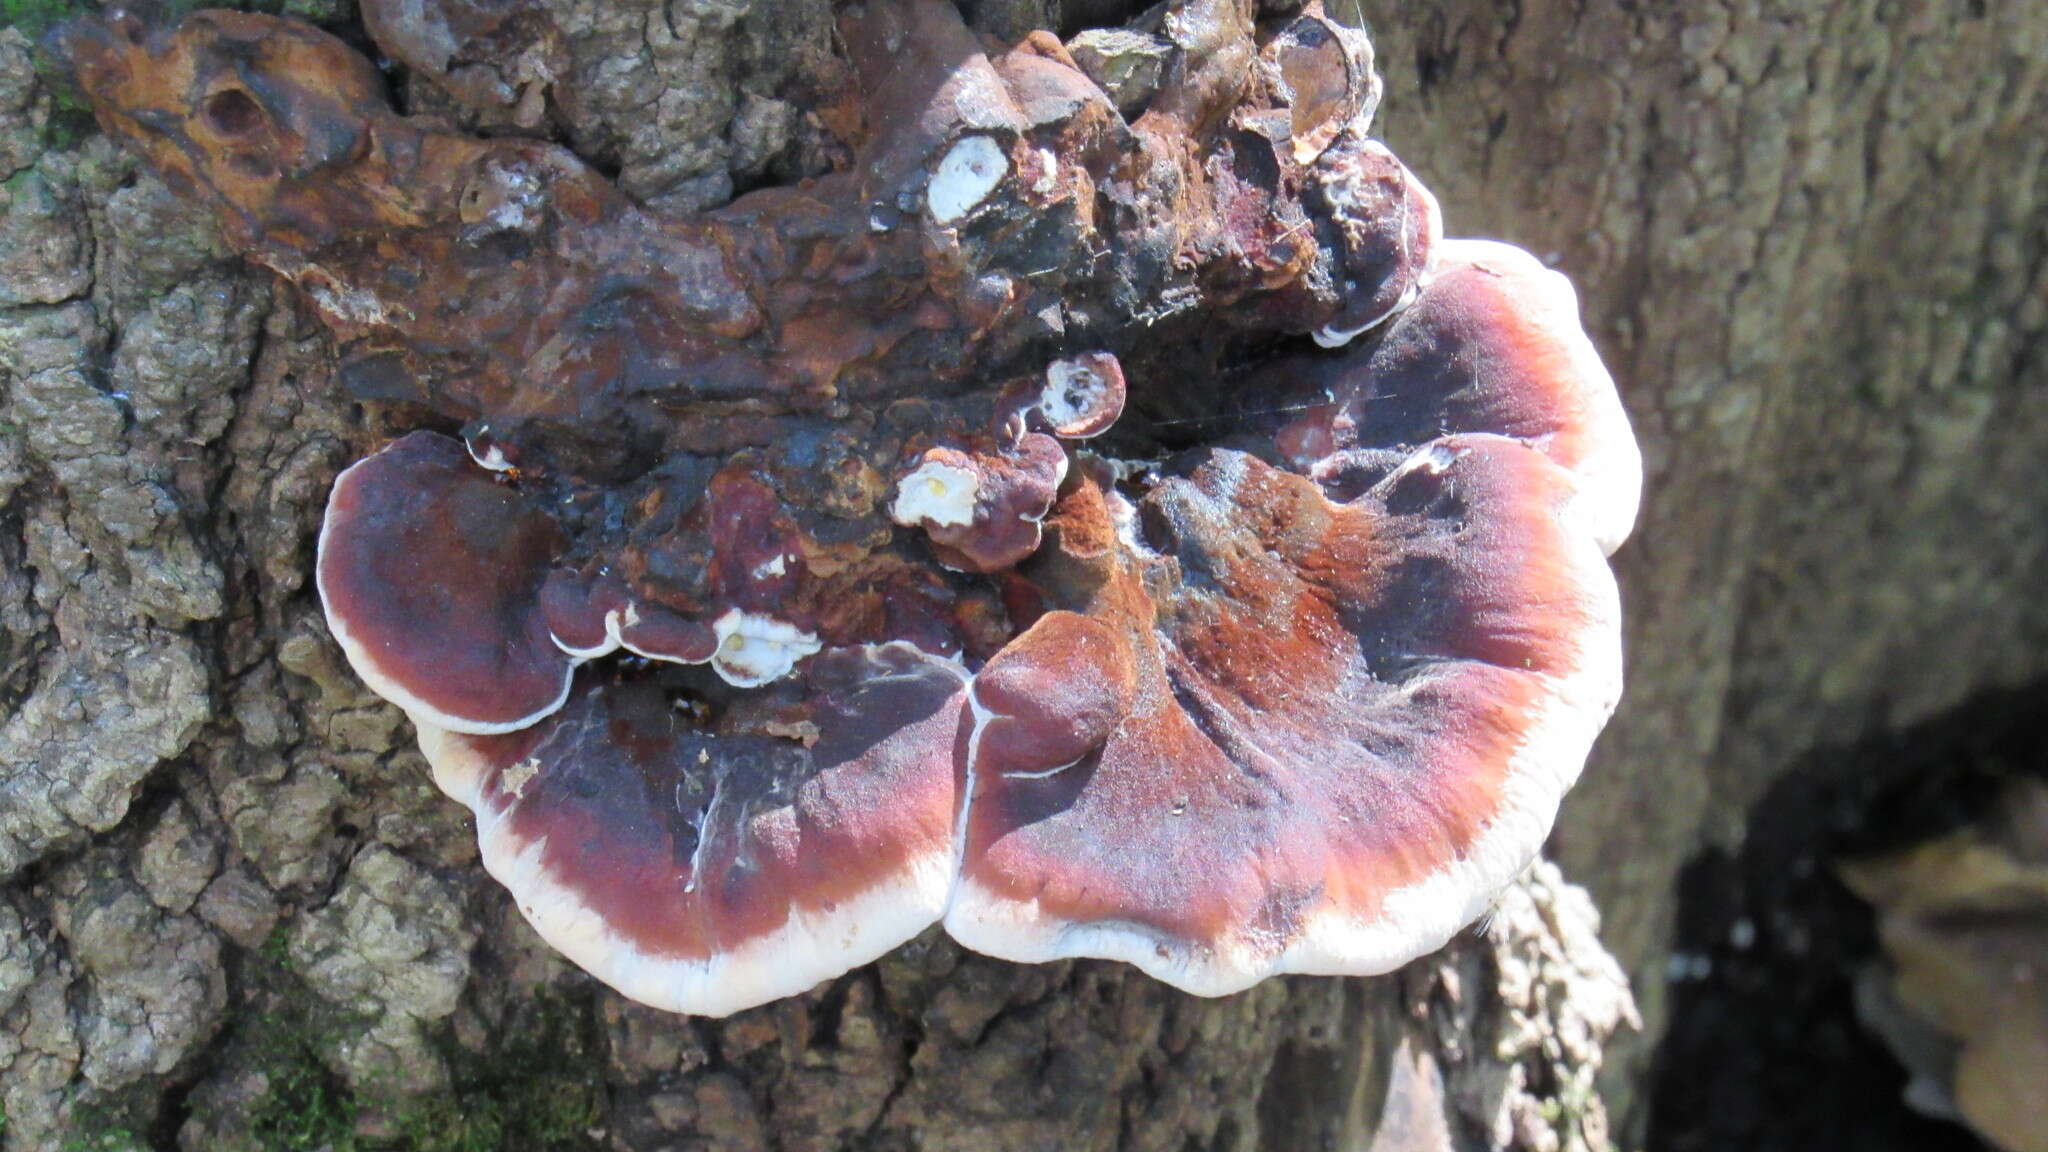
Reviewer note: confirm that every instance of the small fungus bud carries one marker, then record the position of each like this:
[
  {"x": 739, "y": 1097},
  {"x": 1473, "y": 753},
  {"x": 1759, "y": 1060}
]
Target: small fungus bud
[
  {"x": 981, "y": 509},
  {"x": 1083, "y": 395},
  {"x": 485, "y": 448}
]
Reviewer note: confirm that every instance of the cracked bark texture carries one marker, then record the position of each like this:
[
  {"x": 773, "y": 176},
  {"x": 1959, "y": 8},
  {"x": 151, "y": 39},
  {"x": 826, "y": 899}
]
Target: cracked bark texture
[{"x": 233, "y": 913}]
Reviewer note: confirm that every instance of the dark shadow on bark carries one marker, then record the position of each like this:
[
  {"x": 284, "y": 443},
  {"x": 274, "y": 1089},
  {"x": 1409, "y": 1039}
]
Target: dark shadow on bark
[{"x": 1764, "y": 1050}]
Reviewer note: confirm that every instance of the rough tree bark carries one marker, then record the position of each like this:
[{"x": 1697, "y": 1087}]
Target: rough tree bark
[{"x": 234, "y": 914}]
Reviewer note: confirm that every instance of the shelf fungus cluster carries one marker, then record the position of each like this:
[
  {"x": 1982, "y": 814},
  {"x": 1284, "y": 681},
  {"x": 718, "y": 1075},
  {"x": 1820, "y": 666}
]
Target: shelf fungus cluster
[{"x": 1105, "y": 527}]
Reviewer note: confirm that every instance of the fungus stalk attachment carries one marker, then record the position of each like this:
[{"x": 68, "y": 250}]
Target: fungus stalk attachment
[{"x": 1105, "y": 527}]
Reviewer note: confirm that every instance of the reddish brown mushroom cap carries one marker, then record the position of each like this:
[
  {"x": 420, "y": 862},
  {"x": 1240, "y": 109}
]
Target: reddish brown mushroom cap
[
  {"x": 1051, "y": 697},
  {"x": 430, "y": 572},
  {"x": 709, "y": 870},
  {"x": 1295, "y": 686},
  {"x": 1350, "y": 723}
]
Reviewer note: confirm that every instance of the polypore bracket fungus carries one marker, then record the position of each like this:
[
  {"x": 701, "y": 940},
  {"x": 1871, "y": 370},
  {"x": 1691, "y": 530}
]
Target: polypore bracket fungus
[
  {"x": 1115, "y": 527},
  {"x": 982, "y": 510}
]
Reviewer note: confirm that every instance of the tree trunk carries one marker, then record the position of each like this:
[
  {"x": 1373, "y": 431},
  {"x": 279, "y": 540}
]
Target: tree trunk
[{"x": 234, "y": 913}]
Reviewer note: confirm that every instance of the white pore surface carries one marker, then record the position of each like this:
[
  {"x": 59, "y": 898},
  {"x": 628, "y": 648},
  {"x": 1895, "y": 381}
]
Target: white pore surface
[
  {"x": 936, "y": 493},
  {"x": 754, "y": 650},
  {"x": 968, "y": 172}
]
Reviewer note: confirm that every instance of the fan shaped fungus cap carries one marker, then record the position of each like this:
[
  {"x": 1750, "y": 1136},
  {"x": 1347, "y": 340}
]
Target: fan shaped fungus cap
[
  {"x": 1309, "y": 736},
  {"x": 431, "y": 575},
  {"x": 706, "y": 871},
  {"x": 1288, "y": 674}
]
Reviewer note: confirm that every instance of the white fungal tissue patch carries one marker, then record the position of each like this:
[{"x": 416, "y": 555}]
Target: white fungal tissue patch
[
  {"x": 754, "y": 650},
  {"x": 518, "y": 776},
  {"x": 350, "y": 305},
  {"x": 1330, "y": 336},
  {"x": 936, "y": 493},
  {"x": 967, "y": 173},
  {"x": 1048, "y": 172},
  {"x": 1074, "y": 392},
  {"x": 487, "y": 453},
  {"x": 1433, "y": 459},
  {"x": 515, "y": 199},
  {"x": 774, "y": 566}
]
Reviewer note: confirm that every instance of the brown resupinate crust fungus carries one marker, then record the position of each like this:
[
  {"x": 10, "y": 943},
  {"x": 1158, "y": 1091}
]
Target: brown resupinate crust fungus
[{"x": 1137, "y": 536}]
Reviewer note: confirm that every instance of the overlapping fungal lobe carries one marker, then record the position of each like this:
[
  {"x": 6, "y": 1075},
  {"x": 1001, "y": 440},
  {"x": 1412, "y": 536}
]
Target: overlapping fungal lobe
[
  {"x": 449, "y": 586},
  {"x": 1349, "y": 723},
  {"x": 1491, "y": 344},
  {"x": 702, "y": 838},
  {"x": 593, "y": 614},
  {"x": 432, "y": 573},
  {"x": 708, "y": 855}
]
